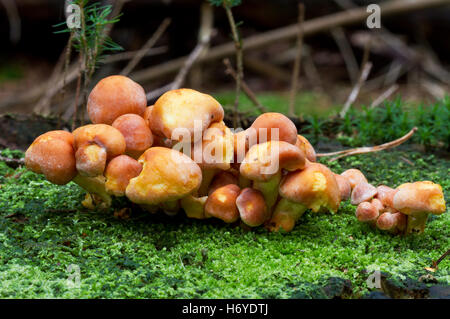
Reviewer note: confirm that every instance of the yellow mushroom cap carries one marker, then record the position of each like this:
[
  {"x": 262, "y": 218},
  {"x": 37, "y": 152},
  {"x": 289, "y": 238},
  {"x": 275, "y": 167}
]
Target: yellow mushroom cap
[
  {"x": 114, "y": 96},
  {"x": 167, "y": 175},
  {"x": 119, "y": 171},
  {"x": 314, "y": 187},
  {"x": 419, "y": 197},
  {"x": 52, "y": 154},
  {"x": 265, "y": 160},
  {"x": 303, "y": 144},
  {"x": 179, "y": 109}
]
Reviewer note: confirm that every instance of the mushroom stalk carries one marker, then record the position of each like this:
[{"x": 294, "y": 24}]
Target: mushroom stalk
[
  {"x": 269, "y": 189},
  {"x": 416, "y": 222},
  {"x": 94, "y": 185},
  {"x": 286, "y": 215}
]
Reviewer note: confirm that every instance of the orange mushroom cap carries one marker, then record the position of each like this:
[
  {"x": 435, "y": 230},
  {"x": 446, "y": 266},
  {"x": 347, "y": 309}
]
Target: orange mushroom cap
[
  {"x": 303, "y": 144},
  {"x": 345, "y": 189},
  {"x": 363, "y": 192},
  {"x": 138, "y": 136},
  {"x": 252, "y": 207},
  {"x": 119, "y": 172},
  {"x": 52, "y": 154},
  {"x": 114, "y": 96},
  {"x": 367, "y": 212},
  {"x": 354, "y": 176},
  {"x": 222, "y": 203}
]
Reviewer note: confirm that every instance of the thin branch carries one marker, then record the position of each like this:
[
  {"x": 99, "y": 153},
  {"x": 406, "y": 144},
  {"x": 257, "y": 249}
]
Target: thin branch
[
  {"x": 147, "y": 46},
  {"x": 245, "y": 87},
  {"x": 436, "y": 263},
  {"x": 369, "y": 149},
  {"x": 14, "y": 20},
  {"x": 296, "y": 71},
  {"x": 346, "y": 52},
  {"x": 152, "y": 95},
  {"x": 355, "y": 91},
  {"x": 239, "y": 62},
  {"x": 386, "y": 94}
]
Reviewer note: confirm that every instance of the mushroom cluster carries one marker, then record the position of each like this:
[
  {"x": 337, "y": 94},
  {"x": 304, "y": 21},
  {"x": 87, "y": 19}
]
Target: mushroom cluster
[
  {"x": 178, "y": 154},
  {"x": 403, "y": 210}
]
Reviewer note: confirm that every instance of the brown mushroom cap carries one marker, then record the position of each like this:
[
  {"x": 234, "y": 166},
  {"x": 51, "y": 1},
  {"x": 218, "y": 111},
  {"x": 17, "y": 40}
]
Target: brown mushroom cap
[
  {"x": 303, "y": 144},
  {"x": 314, "y": 187},
  {"x": 222, "y": 203},
  {"x": 419, "y": 197},
  {"x": 260, "y": 161},
  {"x": 287, "y": 131},
  {"x": 386, "y": 195},
  {"x": 363, "y": 192},
  {"x": 345, "y": 190},
  {"x": 367, "y": 212},
  {"x": 252, "y": 207},
  {"x": 179, "y": 109},
  {"x": 222, "y": 179},
  {"x": 147, "y": 114},
  {"x": 167, "y": 175},
  {"x": 114, "y": 96},
  {"x": 138, "y": 136},
  {"x": 52, "y": 154},
  {"x": 119, "y": 172},
  {"x": 354, "y": 176}
]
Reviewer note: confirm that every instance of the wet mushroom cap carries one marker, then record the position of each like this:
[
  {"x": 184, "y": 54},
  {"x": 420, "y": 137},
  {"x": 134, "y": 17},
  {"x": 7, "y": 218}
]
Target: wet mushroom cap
[
  {"x": 367, "y": 212},
  {"x": 114, "y": 96},
  {"x": 222, "y": 203},
  {"x": 52, "y": 154},
  {"x": 386, "y": 195},
  {"x": 287, "y": 131},
  {"x": 345, "y": 189},
  {"x": 180, "y": 109},
  {"x": 265, "y": 160},
  {"x": 252, "y": 207},
  {"x": 222, "y": 179},
  {"x": 138, "y": 136},
  {"x": 363, "y": 192},
  {"x": 306, "y": 147},
  {"x": 419, "y": 197},
  {"x": 315, "y": 187},
  {"x": 354, "y": 176},
  {"x": 119, "y": 172},
  {"x": 167, "y": 175},
  {"x": 147, "y": 114}
]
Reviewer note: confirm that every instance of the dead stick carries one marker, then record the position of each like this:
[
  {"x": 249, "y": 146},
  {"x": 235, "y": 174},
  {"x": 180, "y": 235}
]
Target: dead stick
[
  {"x": 369, "y": 149},
  {"x": 296, "y": 71},
  {"x": 346, "y": 52},
  {"x": 384, "y": 95},
  {"x": 355, "y": 91},
  {"x": 147, "y": 46},
  {"x": 310, "y": 27},
  {"x": 436, "y": 263},
  {"x": 245, "y": 87}
]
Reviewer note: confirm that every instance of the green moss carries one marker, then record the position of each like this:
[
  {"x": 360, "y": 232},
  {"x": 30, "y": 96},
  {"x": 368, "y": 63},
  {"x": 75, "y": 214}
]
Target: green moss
[{"x": 152, "y": 256}]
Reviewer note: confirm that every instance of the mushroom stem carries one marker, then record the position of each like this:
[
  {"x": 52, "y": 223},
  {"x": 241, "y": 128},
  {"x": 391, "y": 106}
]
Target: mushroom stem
[
  {"x": 94, "y": 185},
  {"x": 194, "y": 207},
  {"x": 285, "y": 215},
  {"x": 416, "y": 223},
  {"x": 207, "y": 177},
  {"x": 171, "y": 208},
  {"x": 269, "y": 189}
]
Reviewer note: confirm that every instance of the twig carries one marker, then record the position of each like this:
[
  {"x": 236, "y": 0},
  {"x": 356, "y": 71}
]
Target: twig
[
  {"x": 147, "y": 46},
  {"x": 436, "y": 263},
  {"x": 229, "y": 70},
  {"x": 267, "y": 69},
  {"x": 204, "y": 36},
  {"x": 12, "y": 162},
  {"x": 158, "y": 92},
  {"x": 355, "y": 91},
  {"x": 346, "y": 52},
  {"x": 239, "y": 61},
  {"x": 369, "y": 149},
  {"x": 296, "y": 71},
  {"x": 14, "y": 20},
  {"x": 77, "y": 94},
  {"x": 384, "y": 95},
  {"x": 310, "y": 27}
]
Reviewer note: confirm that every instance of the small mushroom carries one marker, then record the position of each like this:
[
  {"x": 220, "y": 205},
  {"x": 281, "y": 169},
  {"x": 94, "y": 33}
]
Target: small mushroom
[
  {"x": 180, "y": 110},
  {"x": 367, "y": 213},
  {"x": 386, "y": 195},
  {"x": 167, "y": 176},
  {"x": 114, "y": 96},
  {"x": 252, "y": 207},
  {"x": 222, "y": 179},
  {"x": 418, "y": 200},
  {"x": 345, "y": 189},
  {"x": 222, "y": 203},
  {"x": 138, "y": 136},
  {"x": 119, "y": 172},
  {"x": 264, "y": 162},
  {"x": 95, "y": 144},
  {"x": 354, "y": 176},
  {"x": 52, "y": 154},
  {"x": 303, "y": 144},
  {"x": 362, "y": 192},
  {"x": 314, "y": 187},
  {"x": 392, "y": 222}
]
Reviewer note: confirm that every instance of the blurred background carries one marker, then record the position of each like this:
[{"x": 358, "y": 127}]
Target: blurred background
[{"x": 164, "y": 44}]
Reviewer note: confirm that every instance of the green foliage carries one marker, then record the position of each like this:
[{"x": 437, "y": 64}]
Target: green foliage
[
  {"x": 151, "y": 256},
  {"x": 228, "y": 3}
]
